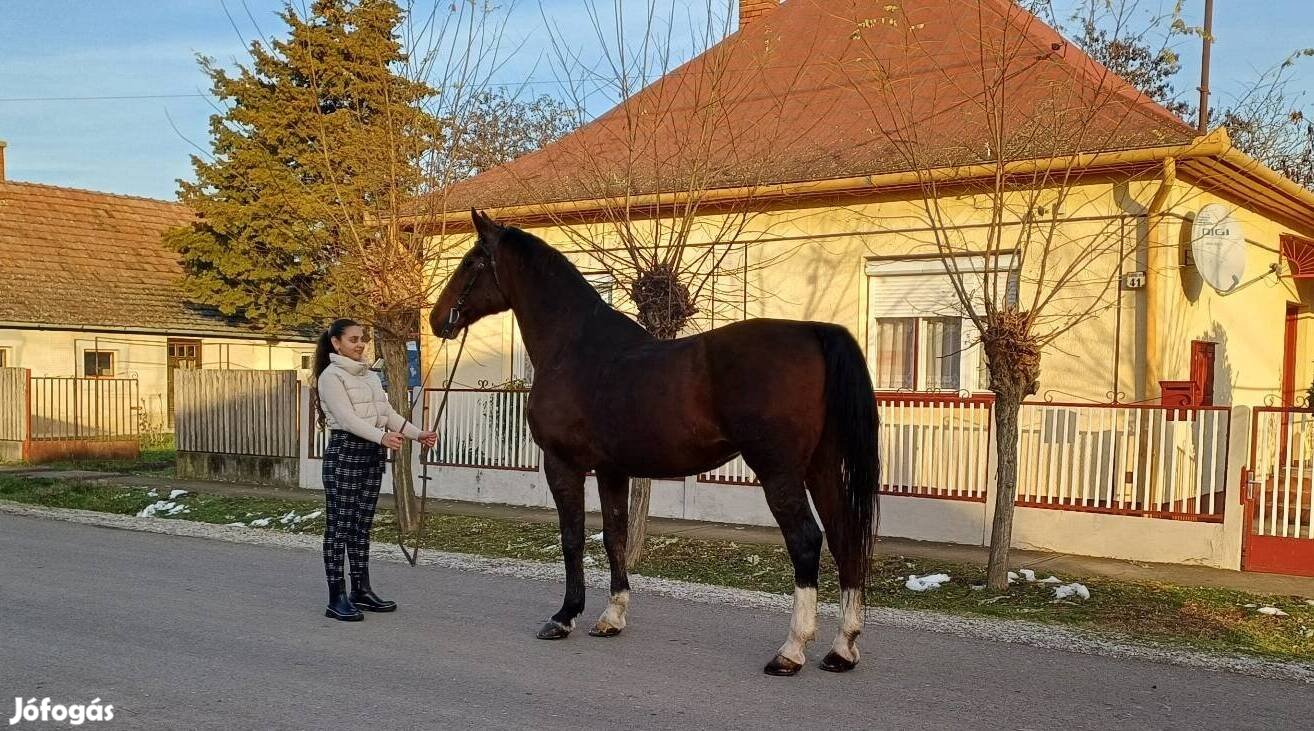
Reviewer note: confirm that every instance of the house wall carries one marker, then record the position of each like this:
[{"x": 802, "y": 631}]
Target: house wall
[
  {"x": 809, "y": 264},
  {"x": 144, "y": 357}
]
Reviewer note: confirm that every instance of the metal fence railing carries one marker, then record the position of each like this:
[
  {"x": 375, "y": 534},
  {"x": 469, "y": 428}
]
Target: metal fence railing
[
  {"x": 83, "y": 408},
  {"x": 1138, "y": 459},
  {"x": 931, "y": 445}
]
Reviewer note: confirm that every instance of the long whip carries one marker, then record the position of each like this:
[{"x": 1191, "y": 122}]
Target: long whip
[{"x": 413, "y": 556}]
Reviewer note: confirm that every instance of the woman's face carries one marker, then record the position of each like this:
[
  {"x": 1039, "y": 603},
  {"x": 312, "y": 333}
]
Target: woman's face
[{"x": 352, "y": 343}]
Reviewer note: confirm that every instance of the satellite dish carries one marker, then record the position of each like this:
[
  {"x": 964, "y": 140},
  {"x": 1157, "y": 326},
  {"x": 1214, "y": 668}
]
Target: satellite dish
[{"x": 1218, "y": 247}]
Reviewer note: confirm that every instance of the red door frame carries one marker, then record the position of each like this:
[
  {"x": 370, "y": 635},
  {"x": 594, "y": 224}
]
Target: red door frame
[{"x": 1270, "y": 554}]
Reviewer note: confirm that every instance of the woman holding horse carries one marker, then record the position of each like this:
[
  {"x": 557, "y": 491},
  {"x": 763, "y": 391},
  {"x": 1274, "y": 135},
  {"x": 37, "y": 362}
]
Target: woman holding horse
[{"x": 362, "y": 424}]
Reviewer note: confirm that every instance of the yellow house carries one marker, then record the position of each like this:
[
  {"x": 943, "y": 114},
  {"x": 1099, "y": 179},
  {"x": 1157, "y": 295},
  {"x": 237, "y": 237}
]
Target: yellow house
[
  {"x": 90, "y": 292},
  {"x": 843, "y": 215},
  {"x": 856, "y": 247}
]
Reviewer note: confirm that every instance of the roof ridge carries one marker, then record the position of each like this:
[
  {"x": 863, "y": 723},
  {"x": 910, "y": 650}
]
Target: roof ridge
[{"x": 88, "y": 191}]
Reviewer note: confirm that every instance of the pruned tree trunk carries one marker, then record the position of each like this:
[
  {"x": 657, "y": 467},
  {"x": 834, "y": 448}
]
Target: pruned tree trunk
[
  {"x": 1001, "y": 530},
  {"x": 637, "y": 532},
  {"x": 665, "y": 305},
  {"x": 1014, "y": 359},
  {"x": 392, "y": 348}
]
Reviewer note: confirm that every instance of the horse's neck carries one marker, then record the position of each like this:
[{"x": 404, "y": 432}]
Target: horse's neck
[{"x": 555, "y": 308}]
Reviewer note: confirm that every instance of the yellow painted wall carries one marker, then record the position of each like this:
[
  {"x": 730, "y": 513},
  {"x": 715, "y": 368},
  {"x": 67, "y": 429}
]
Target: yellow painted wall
[
  {"x": 60, "y": 353},
  {"x": 810, "y": 264}
]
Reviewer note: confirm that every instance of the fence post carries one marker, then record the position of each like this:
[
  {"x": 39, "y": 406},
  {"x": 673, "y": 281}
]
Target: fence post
[{"x": 1238, "y": 458}]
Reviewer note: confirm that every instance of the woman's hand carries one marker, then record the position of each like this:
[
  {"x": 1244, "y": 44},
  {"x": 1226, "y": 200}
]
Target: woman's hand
[
  {"x": 392, "y": 440},
  {"x": 429, "y": 439}
]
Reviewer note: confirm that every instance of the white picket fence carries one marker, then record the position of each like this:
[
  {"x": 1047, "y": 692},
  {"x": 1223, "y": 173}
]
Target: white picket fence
[
  {"x": 482, "y": 428},
  {"x": 930, "y": 446},
  {"x": 1282, "y": 464},
  {"x": 1141, "y": 459}
]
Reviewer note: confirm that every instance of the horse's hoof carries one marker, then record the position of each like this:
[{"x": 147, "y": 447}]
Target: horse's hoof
[
  {"x": 604, "y": 630},
  {"x": 554, "y": 630},
  {"x": 834, "y": 662},
  {"x": 781, "y": 665}
]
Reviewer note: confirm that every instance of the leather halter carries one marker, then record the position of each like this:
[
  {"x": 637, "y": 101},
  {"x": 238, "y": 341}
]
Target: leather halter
[{"x": 454, "y": 316}]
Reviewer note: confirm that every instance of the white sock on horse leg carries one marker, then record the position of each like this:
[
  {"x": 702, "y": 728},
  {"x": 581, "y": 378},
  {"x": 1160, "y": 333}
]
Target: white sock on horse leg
[
  {"x": 850, "y": 625},
  {"x": 802, "y": 625},
  {"x": 614, "y": 615}
]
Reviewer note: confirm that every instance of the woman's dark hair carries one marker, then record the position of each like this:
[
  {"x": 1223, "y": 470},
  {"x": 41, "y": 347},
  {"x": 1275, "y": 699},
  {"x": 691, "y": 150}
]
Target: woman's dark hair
[{"x": 324, "y": 348}]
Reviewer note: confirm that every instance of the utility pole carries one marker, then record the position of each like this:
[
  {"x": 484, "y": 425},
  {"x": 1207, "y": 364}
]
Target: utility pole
[{"x": 1204, "y": 67}]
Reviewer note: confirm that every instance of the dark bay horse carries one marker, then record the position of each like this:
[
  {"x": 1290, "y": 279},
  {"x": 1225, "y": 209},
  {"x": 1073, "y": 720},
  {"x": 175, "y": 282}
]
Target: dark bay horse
[{"x": 794, "y": 398}]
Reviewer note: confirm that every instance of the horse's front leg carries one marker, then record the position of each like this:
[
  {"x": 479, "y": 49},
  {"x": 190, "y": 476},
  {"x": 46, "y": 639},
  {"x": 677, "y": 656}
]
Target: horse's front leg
[
  {"x": 567, "y": 485},
  {"x": 614, "y": 495}
]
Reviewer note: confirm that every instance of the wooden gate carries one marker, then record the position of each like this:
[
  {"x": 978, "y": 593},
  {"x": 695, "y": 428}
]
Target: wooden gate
[{"x": 1279, "y": 534}]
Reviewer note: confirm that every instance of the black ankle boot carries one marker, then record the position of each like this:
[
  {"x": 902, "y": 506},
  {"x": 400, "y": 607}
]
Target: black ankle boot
[
  {"x": 339, "y": 606},
  {"x": 365, "y": 598}
]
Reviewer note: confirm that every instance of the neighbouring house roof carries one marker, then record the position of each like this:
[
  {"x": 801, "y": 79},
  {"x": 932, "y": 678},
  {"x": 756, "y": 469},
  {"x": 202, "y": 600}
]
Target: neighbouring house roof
[
  {"x": 799, "y": 105},
  {"x": 82, "y": 259}
]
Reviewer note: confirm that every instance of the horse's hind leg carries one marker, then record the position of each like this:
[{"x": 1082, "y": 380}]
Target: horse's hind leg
[
  {"x": 613, "y": 494},
  {"x": 567, "y": 485},
  {"x": 825, "y": 482},
  {"x": 789, "y": 504}
]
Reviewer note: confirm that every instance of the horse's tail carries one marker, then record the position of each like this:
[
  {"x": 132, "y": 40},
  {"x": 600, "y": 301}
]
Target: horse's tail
[{"x": 852, "y": 421}]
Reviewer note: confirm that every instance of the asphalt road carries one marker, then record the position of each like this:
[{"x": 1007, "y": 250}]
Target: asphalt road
[{"x": 180, "y": 632}]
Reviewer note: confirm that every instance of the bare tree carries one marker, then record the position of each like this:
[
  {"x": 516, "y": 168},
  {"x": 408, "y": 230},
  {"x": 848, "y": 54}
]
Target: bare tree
[
  {"x": 1005, "y": 126},
  {"x": 431, "y": 114},
  {"x": 656, "y": 168}
]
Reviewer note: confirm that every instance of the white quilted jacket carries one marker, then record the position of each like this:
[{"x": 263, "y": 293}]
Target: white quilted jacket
[{"x": 354, "y": 400}]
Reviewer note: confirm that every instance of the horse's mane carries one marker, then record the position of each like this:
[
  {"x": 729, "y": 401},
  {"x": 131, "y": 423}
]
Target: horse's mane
[{"x": 538, "y": 256}]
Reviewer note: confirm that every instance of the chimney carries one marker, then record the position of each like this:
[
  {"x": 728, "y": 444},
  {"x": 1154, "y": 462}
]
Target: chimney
[
  {"x": 2, "y": 161},
  {"x": 750, "y": 10}
]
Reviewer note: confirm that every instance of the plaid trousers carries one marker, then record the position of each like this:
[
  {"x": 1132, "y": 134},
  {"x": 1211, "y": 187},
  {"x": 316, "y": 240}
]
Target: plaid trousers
[{"x": 353, "y": 471}]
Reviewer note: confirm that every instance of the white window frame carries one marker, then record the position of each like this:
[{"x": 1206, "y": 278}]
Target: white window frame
[{"x": 972, "y": 375}]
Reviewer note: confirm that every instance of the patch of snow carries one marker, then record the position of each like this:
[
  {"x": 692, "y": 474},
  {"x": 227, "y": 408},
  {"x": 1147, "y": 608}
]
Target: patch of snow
[
  {"x": 175, "y": 494},
  {"x": 177, "y": 509},
  {"x": 288, "y": 518},
  {"x": 753, "y": 559},
  {"x": 261, "y": 523},
  {"x": 925, "y": 583},
  {"x": 1070, "y": 590},
  {"x": 1272, "y": 611},
  {"x": 1051, "y": 580},
  {"x": 1310, "y": 602},
  {"x": 159, "y": 506},
  {"x": 1012, "y": 576},
  {"x": 549, "y": 547},
  {"x": 1251, "y": 606},
  {"x": 309, "y": 516},
  {"x": 1027, "y": 574},
  {"x": 152, "y": 493},
  {"x": 978, "y": 587},
  {"x": 596, "y": 537}
]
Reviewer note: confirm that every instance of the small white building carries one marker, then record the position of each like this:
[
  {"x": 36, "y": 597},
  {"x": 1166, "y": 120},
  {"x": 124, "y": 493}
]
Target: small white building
[{"x": 87, "y": 289}]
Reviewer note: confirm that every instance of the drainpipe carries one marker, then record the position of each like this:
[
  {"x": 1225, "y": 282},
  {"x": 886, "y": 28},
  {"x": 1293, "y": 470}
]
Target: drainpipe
[{"x": 1156, "y": 258}]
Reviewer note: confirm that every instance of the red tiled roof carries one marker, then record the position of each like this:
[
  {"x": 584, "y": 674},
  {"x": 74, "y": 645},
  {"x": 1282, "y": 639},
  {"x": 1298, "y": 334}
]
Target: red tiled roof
[
  {"x": 801, "y": 105},
  {"x": 81, "y": 258}
]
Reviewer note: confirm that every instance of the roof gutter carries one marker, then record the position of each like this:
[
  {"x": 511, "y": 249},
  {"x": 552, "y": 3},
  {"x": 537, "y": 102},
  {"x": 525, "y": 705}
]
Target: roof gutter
[
  {"x": 1215, "y": 144},
  {"x": 12, "y": 325}
]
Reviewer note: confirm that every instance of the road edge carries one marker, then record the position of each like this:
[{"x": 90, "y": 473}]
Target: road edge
[{"x": 1021, "y": 632}]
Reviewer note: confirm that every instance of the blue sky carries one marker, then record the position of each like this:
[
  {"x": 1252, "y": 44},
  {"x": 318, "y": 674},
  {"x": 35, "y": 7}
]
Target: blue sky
[{"x": 106, "y": 94}]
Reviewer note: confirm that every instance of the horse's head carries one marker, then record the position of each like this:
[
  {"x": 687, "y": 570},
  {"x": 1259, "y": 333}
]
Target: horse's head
[{"x": 473, "y": 291}]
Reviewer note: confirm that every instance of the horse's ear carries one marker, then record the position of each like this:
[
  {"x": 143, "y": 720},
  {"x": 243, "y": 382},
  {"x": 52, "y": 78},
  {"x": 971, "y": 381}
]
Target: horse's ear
[{"x": 489, "y": 231}]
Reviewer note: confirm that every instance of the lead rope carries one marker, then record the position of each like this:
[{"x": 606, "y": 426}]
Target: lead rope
[{"x": 412, "y": 557}]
